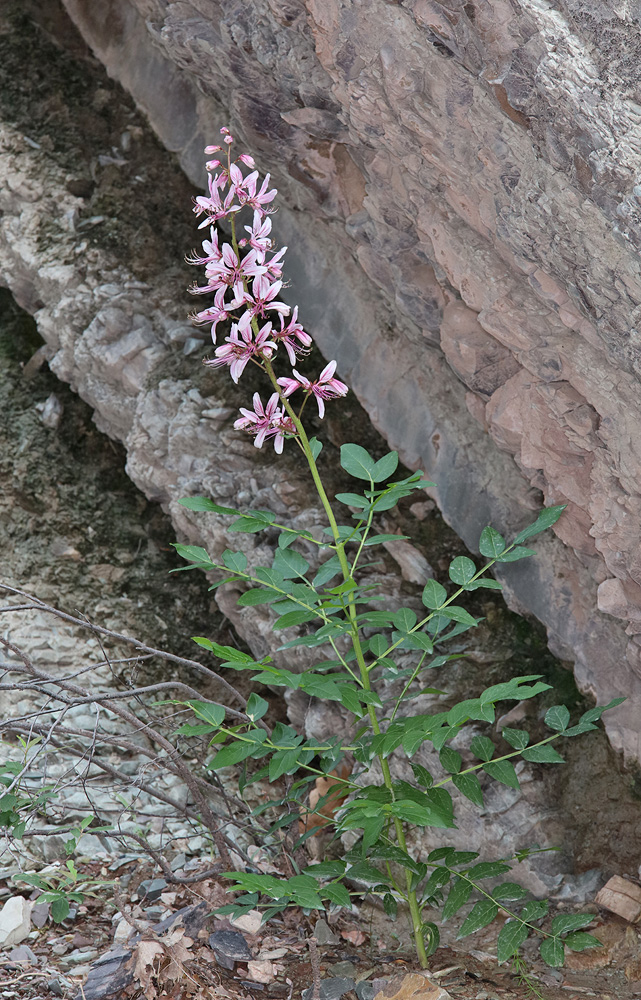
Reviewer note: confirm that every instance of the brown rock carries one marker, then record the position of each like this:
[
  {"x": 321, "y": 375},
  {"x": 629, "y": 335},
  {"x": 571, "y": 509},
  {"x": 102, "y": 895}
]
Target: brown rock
[
  {"x": 621, "y": 897},
  {"x": 415, "y": 986}
]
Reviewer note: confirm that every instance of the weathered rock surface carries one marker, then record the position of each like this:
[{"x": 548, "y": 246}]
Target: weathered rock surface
[{"x": 461, "y": 191}]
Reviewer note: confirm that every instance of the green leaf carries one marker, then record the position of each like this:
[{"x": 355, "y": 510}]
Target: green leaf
[
  {"x": 481, "y": 914},
  {"x": 491, "y": 543},
  {"x": 385, "y": 467},
  {"x": 326, "y": 869},
  {"x": 520, "y": 552},
  {"x": 439, "y": 877},
  {"x": 327, "y": 571},
  {"x": 451, "y": 760},
  {"x": 364, "y": 872},
  {"x": 357, "y": 462},
  {"x": 236, "y": 561},
  {"x": 580, "y": 941},
  {"x": 422, "y": 775},
  {"x": 379, "y": 539},
  {"x": 462, "y": 570},
  {"x": 404, "y": 619},
  {"x": 503, "y": 771},
  {"x": 557, "y": 718},
  {"x": 294, "y": 618},
  {"x": 59, "y": 909},
  {"x": 553, "y": 952},
  {"x": 232, "y": 754},
  {"x": 534, "y": 910},
  {"x": 511, "y": 937},
  {"x": 571, "y": 922},
  {"x": 204, "y": 503},
  {"x": 336, "y": 894},
  {"x": 390, "y": 905},
  {"x": 458, "y": 896},
  {"x": 456, "y": 614},
  {"x": 256, "y": 707},
  {"x": 517, "y": 738},
  {"x": 488, "y": 584},
  {"x": 315, "y": 446},
  {"x": 353, "y": 500},
  {"x": 469, "y": 786},
  {"x": 289, "y": 563},
  {"x": 547, "y": 517},
  {"x": 487, "y": 869},
  {"x": 434, "y": 595},
  {"x": 543, "y": 755},
  {"x": 194, "y": 553},
  {"x": 257, "y": 595},
  {"x": 482, "y": 747},
  {"x": 509, "y": 891},
  {"x": 208, "y": 712}
]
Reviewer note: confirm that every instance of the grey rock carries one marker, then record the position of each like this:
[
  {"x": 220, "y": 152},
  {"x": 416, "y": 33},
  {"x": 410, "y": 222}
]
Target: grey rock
[
  {"x": 324, "y": 934},
  {"x": 23, "y": 953},
  {"x": 506, "y": 371},
  {"x": 331, "y": 989},
  {"x": 344, "y": 969},
  {"x": 15, "y": 924},
  {"x": 229, "y": 947},
  {"x": 39, "y": 914},
  {"x": 150, "y": 889},
  {"x": 365, "y": 991}
]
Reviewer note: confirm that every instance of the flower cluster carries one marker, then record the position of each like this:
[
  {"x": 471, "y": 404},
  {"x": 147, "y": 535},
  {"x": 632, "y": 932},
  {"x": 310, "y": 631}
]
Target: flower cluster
[{"x": 245, "y": 277}]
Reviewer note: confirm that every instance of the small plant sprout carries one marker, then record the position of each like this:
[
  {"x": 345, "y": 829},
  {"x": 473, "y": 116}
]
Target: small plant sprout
[{"x": 371, "y": 660}]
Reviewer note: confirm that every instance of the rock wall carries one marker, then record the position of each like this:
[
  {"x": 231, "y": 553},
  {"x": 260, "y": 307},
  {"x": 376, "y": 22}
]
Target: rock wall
[{"x": 464, "y": 225}]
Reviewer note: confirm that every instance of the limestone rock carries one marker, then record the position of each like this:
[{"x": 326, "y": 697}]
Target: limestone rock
[
  {"x": 15, "y": 923},
  {"x": 460, "y": 202}
]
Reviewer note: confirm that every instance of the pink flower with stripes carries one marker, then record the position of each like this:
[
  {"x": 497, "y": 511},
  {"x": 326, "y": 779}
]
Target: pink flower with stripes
[
  {"x": 325, "y": 387},
  {"x": 238, "y": 351}
]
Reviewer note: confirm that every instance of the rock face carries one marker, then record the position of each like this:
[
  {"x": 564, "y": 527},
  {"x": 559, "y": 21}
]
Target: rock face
[{"x": 464, "y": 226}]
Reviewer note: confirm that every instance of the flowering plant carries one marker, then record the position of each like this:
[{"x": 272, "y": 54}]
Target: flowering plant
[{"x": 368, "y": 659}]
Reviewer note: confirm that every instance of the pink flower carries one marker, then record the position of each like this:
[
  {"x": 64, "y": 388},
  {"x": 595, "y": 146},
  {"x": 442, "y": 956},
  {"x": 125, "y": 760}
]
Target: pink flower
[
  {"x": 214, "y": 314},
  {"x": 286, "y": 335},
  {"x": 325, "y": 386},
  {"x": 210, "y": 247},
  {"x": 256, "y": 200},
  {"x": 213, "y": 207},
  {"x": 259, "y": 232},
  {"x": 265, "y": 422},
  {"x": 258, "y": 304},
  {"x": 230, "y": 269},
  {"x": 237, "y": 352}
]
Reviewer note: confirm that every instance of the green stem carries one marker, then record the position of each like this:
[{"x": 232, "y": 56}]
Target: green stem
[{"x": 414, "y": 907}]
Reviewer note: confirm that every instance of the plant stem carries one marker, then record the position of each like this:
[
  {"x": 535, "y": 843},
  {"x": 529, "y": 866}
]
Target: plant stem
[{"x": 415, "y": 910}]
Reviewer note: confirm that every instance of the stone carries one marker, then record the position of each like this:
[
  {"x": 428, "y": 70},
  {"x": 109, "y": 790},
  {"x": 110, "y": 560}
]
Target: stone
[
  {"x": 151, "y": 889},
  {"x": 249, "y": 922},
  {"x": 23, "y": 953},
  {"x": 39, "y": 914},
  {"x": 229, "y": 947},
  {"x": 622, "y": 897},
  {"x": 15, "y": 922},
  {"x": 323, "y": 933},
  {"x": 434, "y": 224},
  {"x": 331, "y": 989},
  {"x": 415, "y": 986}
]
